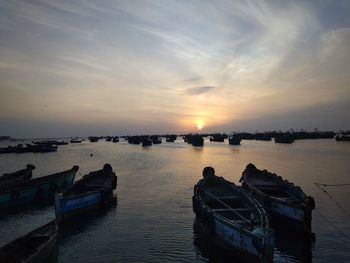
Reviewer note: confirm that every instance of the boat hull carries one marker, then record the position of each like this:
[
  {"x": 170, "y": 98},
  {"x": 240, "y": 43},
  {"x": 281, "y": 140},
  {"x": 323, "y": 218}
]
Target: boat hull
[
  {"x": 37, "y": 190},
  {"x": 70, "y": 207}
]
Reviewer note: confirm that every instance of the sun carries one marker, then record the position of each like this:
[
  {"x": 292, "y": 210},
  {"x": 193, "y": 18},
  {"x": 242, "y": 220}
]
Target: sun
[{"x": 200, "y": 124}]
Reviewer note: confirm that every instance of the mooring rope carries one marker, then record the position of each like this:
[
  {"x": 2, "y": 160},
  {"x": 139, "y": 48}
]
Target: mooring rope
[
  {"x": 331, "y": 224},
  {"x": 342, "y": 209},
  {"x": 332, "y": 184}
]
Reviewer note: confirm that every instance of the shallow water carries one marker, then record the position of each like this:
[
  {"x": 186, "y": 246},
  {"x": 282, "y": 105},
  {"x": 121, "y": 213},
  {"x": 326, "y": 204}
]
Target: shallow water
[{"x": 152, "y": 219}]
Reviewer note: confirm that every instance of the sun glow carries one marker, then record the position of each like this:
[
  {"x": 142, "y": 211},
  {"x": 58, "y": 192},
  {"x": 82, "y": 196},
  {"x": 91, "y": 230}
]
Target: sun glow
[{"x": 200, "y": 124}]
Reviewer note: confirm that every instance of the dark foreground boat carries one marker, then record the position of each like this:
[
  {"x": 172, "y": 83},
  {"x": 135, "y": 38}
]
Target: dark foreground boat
[
  {"x": 284, "y": 200},
  {"x": 237, "y": 222},
  {"x": 24, "y": 174},
  {"x": 36, "y": 246},
  {"x": 92, "y": 191},
  {"x": 40, "y": 189}
]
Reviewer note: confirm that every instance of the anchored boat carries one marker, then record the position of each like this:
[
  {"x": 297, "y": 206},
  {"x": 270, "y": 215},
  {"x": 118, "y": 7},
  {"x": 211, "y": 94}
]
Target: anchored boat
[
  {"x": 94, "y": 190},
  {"x": 282, "y": 199},
  {"x": 37, "y": 189},
  {"x": 36, "y": 246},
  {"x": 24, "y": 174},
  {"x": 234, "y": 218}
]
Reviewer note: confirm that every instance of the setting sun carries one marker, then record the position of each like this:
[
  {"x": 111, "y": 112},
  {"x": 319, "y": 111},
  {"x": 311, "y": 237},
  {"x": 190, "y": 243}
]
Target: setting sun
[{"x": 200, "y": 124}]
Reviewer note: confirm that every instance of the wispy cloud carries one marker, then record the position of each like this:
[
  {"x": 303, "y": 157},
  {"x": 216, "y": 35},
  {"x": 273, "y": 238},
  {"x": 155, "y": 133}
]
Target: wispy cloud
[{"x": 199, "y": 90}]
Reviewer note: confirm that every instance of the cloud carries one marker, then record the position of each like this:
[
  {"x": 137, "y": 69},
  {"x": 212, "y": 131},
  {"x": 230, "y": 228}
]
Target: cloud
[{"x": 199, "y": 90}]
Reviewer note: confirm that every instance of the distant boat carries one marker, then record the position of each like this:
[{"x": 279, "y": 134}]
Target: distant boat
[
  {"x": 75, "y": 141},
  {"x": 38, "y": 245},
  {"x": 155, "y": 139},
  {"x": 116, "y": 139},
  {"x": 234, "y": 139},
  {"x": 170, "y": 138},
  {"x": 146, "y": 142},
  {"x": 284, "y": 138},
  {"x": 41, "y": 189},
  {"x": 218, "y": 137},
  {"x": 11, "y": 178},
  {"x": 92, "y": 191},
  {"x": 93, "y": 139},
  {"x": 342, "y": 137},
  {"x": 234, "y": 218},
  {"x": 197, "y": 140},
  {"x": 284, "y": 200}
]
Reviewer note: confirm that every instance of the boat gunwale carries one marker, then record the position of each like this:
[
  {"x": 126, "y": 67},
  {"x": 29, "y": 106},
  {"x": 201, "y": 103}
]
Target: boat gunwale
[{"x": 35, "y": 182}]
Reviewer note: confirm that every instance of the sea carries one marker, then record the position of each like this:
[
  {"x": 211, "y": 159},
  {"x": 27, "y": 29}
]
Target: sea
[{"x": 152, "y": 220}]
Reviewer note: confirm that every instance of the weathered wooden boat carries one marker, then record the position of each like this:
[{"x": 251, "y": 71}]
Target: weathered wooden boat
[
  {"x": 237, "y": 221},
  {"x": 284, "y": 200},
  {"x": 94, "y": 190},
  {"x": 41, "y": 189},
  {"x": 37, "y": 246},
  {"x": 23, "y": 174},
  {"x": 218, "y": 137}
]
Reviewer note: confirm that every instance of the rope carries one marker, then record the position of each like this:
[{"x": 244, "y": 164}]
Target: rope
[
  {"x": 330, "y": 223},
  {"x": 342, "y": 209},
  {"x": 332, "y": 184}
]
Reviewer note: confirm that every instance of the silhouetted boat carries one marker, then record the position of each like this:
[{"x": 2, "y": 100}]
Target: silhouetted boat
[
  {"x": 134, "y": 139},
  {"x": 170, "y": 138},
  {"x": 234, "y": 218},
  {"x": 155, "y": 139},
  {"x": 284, "y": 138},
  {"x": 38, "y": 245},
  {"x": 75, "y": 141},
  {"x": 197, "y": 140},
  {"x": 218, "y": 137},
  {"x": 342, "y": 137},
  {"x": 234, "y": 139},
  {"x": 146, "y": 142},
  {"x": 282, "y": 199},
  {"x": 93, "y": 139},
  {"x": 92, "y": 191},
  {"x": 40, "y": 189},
  {"x": 11, "y": 178},
  {"x": 115, "y": 139}
]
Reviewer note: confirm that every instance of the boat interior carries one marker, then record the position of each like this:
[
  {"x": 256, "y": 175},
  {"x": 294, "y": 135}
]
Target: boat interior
[
  {"x": 230, "y": 204},
  {"x": 271, "y": 188}
]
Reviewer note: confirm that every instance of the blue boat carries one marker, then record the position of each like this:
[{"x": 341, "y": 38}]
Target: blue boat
[
  {"x": 233, "y": 218},
  {"x": 94, "y": 190},
  {"x": 40, "y": 189}
]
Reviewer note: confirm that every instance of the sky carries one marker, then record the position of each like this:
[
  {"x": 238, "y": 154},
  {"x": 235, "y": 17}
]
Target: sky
[{"x": 79, "y": 68}]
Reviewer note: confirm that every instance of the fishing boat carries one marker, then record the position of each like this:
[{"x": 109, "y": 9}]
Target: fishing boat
[
  {"x": 285, "y": 201},
  {"x": 39, "y": 189},
  {"x": 236, "y": 221},
  {"x": 94, "y": 190},
  {"x": 234, "y": 139},
  {"x": 342, "y": 137},
  {"x": 146, "y": 142},
  {"x": 23, "y": 174},
  {"x": 197, "y": 140},
  {"x": 37, "y": 246}
]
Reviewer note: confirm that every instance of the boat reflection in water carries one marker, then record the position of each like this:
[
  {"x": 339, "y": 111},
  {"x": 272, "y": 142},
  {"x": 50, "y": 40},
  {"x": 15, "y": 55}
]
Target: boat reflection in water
[
  {"x": 292, "y": 245},
  {"x": 289, "y": 247},
  {"x": 208, "y": 249}
]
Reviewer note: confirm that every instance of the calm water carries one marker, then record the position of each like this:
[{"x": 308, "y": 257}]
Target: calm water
[{"x": 152, "y": 220}]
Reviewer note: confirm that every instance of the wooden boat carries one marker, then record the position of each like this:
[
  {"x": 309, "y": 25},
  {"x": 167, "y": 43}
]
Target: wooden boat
[
  {"x": 236, "y": 220},
  {"x": 92, "y": 191},
  {"x": 284, "y": 200},
  {"x": 342, "y": 137},
  {"x": 75, "y": 141},
  {"x": 24, "y": 174},
  {"x": 284, "y": 138},
  {"x": 37, "y": 246},
  {"x": 40, "y": 189}
]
